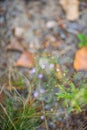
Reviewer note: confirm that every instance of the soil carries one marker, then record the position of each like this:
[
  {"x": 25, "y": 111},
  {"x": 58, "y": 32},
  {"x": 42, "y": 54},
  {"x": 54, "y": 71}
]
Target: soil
[{"x": 43, "y": 20}]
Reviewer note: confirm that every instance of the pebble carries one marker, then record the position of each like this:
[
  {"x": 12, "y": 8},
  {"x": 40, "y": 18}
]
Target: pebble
[
  {"x": 51, "y": 24},
  {"x": 18, "y": 32},
  {"x": 2, "y": 20},
  {"x": 60, "y": 32},
  {"x": 73, "y": 27},
  {"x": 47, "y": 107},
  {"x": 51, "y": 125}
]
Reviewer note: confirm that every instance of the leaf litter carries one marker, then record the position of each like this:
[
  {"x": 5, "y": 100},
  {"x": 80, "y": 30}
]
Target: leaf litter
[
  {"x": 15, "y": 45},
  {"x": 26, "y": 60}
]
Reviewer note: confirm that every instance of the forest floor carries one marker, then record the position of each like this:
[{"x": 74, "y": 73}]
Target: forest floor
[{"x": 46, "y": 33}]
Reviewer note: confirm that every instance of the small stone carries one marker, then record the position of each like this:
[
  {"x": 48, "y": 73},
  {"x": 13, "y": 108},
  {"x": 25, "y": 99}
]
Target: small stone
[
  {"x": 51, "y": 24},
  {"x": 2, "y": 20},
  {"x": 52, "y": 125},
  {"x": 18, "y": 32}
]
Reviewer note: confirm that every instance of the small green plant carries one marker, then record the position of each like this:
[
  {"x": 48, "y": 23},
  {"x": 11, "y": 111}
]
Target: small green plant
[
  {"x": 32, "y": 97},
  {"x": 17, "y": 116},
  {"x": 20, "y": 110},
  {"x": 83, "y": 40},
  {"x": 73, "y": 98}
]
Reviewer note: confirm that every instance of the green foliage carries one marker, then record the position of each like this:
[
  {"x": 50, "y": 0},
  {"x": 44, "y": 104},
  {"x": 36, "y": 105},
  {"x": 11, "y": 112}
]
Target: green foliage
[
  {"x": 83, "y": 40},
  {"x": 18, "y": 83},
  {"x": 21, "y": 118},
  {"x": 20, "y": 110},
  {"x": 17, "y": 115},
  {"x": 73, "y": 97}
]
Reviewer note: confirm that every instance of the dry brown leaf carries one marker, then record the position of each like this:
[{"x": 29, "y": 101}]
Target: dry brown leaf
[
  {"x": 71, "y": 8},
  {"x": 80, "y": 62},
  {"x": 26, "y": 60},
  {"x": 15, "y": 45}
]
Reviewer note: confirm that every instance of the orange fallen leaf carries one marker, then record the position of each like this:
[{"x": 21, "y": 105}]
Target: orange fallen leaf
[
  {"x": 71, "y": 8},
  {"x": 80, "y": 62},
  {"x": 26, "y": 60},
  {"x": 15, "y": 45}
]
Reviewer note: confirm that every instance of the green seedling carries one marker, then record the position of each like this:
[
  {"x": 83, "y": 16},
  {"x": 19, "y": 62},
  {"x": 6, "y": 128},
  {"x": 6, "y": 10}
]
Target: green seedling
[
  {"x": 83, "y": 40},
  {"x": 74, "y": 98}
]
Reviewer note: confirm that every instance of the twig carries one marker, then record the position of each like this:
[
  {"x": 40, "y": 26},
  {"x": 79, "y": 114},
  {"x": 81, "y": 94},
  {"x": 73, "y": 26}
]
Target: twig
[
  {"x": 46, "y": 124},
  {"x": 8, "y": 116}
]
